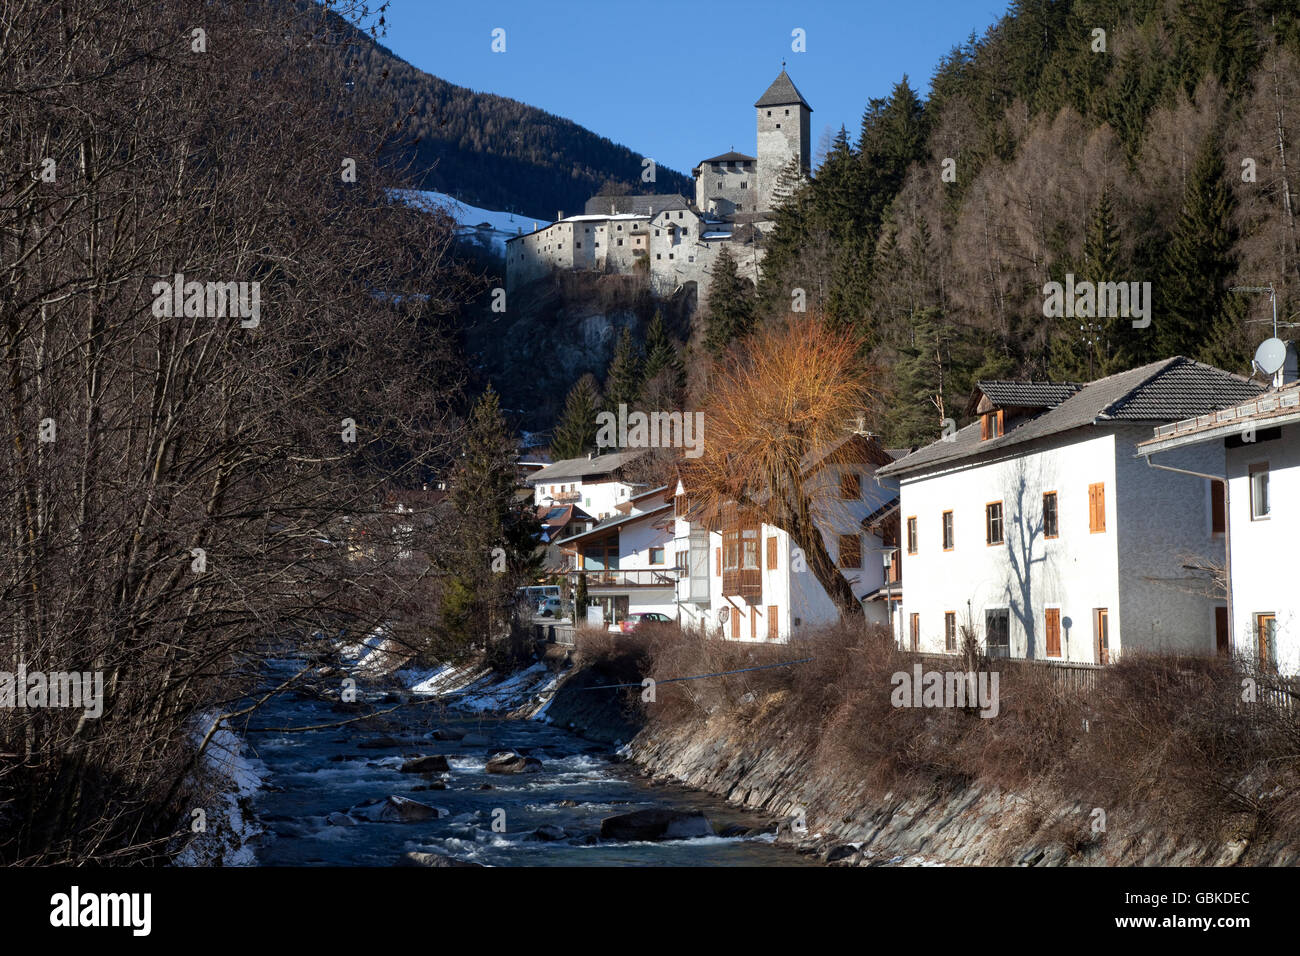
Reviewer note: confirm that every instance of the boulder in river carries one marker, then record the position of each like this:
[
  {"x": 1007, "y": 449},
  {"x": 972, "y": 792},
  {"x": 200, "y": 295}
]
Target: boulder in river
[
  {"x": 434, "y": 763},
  {"x": 510, "y": 762},
  {"x": 379, "y": 743},
  {"x": 337, "y": 819},
  {"x": 656, "y": 823},
  {"x": 443, "y": 734},
  {"x": 397, "y": 810},
  {"x": 547, "y": 834}
]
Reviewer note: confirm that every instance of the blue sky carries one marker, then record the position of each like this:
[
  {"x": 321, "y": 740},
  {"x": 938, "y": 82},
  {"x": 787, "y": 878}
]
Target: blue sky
[{"x": 677, "y": 79}]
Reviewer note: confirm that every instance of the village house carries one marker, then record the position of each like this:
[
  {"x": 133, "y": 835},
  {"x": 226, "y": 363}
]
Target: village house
[
  {"x": 1039, "y": 529},
  {"x": 1254, "y": 447},
  {"x": 625, "y": 560},
  {"x": 747, "y": 581},
  {"x": 676, "y": 242},
  {"x": 598, "y": 484}
]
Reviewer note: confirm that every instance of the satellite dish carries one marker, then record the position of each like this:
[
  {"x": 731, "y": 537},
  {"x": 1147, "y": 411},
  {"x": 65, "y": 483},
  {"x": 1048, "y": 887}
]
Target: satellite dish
[{"x": 1270, "y": 355}]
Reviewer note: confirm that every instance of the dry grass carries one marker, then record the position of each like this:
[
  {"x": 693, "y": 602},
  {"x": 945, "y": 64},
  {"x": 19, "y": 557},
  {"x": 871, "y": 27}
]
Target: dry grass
[{"x": 1166, "y": 739}]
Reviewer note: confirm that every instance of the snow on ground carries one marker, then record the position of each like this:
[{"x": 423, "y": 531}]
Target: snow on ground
[
  {"x": 230, "y": 826},
  {"x": 489, "y": 225},
  {"x": 478, "y": 689}
]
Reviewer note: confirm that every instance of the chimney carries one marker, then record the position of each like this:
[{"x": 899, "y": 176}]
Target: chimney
[{"x": 559, "y": 214}]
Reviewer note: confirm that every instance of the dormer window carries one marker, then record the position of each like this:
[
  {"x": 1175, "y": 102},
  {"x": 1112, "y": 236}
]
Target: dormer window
[{"x": 991, "y": 425}]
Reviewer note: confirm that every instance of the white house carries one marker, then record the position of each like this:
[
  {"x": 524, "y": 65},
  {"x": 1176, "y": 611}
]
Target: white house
[
  {"x": 597, "y": 484},
  {"x": 749, "y": 581},
  {"x": 626, "y": 559},
  {"x": 1255, "y": 447},
  {"x": 1039, "y": 529}
]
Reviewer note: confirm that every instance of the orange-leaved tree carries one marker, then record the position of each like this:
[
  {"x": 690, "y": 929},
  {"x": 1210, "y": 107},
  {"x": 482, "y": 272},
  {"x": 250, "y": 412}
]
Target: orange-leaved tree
[{"x": 776, "y": 411}]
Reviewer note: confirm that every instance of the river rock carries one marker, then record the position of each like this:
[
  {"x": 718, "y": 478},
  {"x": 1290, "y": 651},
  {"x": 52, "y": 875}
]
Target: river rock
[
  {"x": 397, "y": 810},
  {"x": 415, "y": 858},
  {"x": 337, "y": 819},
  {"x": 656, "y": 823},
  {"x": 434, "y": 763},
  {"x": 510, "y": 762},
  {"x": 547, "y": 834},
  {"x": 734, "y": 830},
  {"x": 379, "y": 743},
  {"x": 444, "y": 734}
]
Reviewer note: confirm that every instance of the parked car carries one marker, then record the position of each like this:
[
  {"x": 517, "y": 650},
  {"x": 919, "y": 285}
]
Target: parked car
[
  {"x": 633, "y": 621},
  {"x": 550, "y": 607}
]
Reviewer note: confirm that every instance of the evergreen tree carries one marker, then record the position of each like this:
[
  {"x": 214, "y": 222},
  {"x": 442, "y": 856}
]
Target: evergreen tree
[
  {"x": 575, "y": 435},
  {"x": 662, "y": 359},
  {"x": 1199, "y": 262},
  {"x": 731, "y": 305},
  {"x": 623, "y": 379}
]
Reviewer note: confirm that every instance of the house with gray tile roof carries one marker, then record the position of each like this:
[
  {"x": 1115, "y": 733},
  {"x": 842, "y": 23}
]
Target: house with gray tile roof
[{"x": 1039, "y": 530}]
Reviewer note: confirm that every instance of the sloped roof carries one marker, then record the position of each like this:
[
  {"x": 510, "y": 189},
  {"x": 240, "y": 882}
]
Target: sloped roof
[
  {"x": 782, "y": 92},
  {"x": 728, "y": 157},
  {"x": 1024, "y": 394},
  {"x": 616, "y": 522},
  {"x": 582, "y": 467},
  {"x": 1163, "y": 391}
]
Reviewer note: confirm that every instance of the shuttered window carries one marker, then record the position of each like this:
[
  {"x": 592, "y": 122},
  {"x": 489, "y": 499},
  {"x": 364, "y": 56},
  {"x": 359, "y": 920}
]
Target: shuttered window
[
  {"x": 911, "y": 535},
  {"x": 1218, "y": 513},
  {"x": 717, "y": 555},
  {"x": 735, "y": 623},
  {"x": 753, "y": 623},
  {"x": 1097, "y": 508},
  {"x": 850, "y": 551},
  {"x": 772, "y": 633},
  {"x": 1052, "y": 627},
  {"x": 950, "y": 630},
  {"x": 771, "y": 553}
]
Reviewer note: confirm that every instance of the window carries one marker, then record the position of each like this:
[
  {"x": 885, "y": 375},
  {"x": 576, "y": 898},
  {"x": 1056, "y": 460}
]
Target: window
[
  {"x": 718, "y": 561},
  {"x": 1097, "y": 508},
  {"x": 1050, "y": 529},
  {"x": 620, "y": 242},
  {"x": 990, "y": 425},
  {"x": 997, "y": 632},
  {"x": 911, "y": 535},
  {"x": 735, "y": 623},
  {"x": 916, "y": 631},
  {"x": 657, "y": 555},
  {"x": 850, "y": 551},
  {"x": 950, "y": 630},
  {"x": 753, "y": 623},
  {"x": 993, "y": 522},
  {"x": 1260, "y": 506},
  {"x": 947, "y": 531},
  {"x": 850, "y": 485},
  {"x": 1052, "y": 630},
  {"x": 1266, "y": 633},
  {"x": 771, "y": 553},
  {"x": 772, "y": 633},
  {"x": 778, "y": 125},
  {"x": 1218, "y": 511}
]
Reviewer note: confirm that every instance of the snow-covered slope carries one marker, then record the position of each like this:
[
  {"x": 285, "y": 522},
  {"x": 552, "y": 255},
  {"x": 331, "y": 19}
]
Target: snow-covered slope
[{"x": 485, "y": 225}]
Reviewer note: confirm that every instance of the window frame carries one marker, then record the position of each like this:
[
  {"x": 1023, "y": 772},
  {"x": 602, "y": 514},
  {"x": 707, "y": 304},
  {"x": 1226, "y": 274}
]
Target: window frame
[
  {"x": 988, "y": 524},
  {"x": 1252, "y": 473},
  {"x": 950, "y": 631},
  {"x": 949, "y": 536},
  {"x": 1055, "y": 512},
  {"x": 911, "y": 535}
]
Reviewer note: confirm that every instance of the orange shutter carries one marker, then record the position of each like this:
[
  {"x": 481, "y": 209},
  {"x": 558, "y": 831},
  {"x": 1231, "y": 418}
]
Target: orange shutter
[
  {"x": 753, "y": 622},
  {"x": 771, "y": 554},
  {"x": 1052, "y": 620},
  {"x": 735, "y": 622},
  {"x": 772, "y": 633},
  {"x": 1097, "y": 508},
  {"x": 717, "y": 554}
]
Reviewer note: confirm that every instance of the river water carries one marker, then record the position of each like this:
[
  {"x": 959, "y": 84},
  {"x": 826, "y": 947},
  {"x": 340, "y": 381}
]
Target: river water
[{"x": 313, "y": 773}]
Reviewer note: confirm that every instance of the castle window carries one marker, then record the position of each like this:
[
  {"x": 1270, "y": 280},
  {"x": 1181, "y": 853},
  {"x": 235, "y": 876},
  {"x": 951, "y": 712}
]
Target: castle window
[
  {"x": 685, "y": 231},
  {"x": 656, "y": 232},
  {"x": 620, "y": 242},
  {"x": 740, "y": 209},
  {"x": 778, "y": 125},
  {"x": 769, "y": 112},
  {"x": 670, "y": 255},
  {"x": 787, "y": 112},
  {"x": 742, "y": 185},
  {"x": 579, "y": 245}
]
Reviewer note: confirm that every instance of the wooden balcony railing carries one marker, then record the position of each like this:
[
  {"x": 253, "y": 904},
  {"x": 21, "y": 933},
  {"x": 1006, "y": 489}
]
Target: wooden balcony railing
[{"x": 635, "y": 578}]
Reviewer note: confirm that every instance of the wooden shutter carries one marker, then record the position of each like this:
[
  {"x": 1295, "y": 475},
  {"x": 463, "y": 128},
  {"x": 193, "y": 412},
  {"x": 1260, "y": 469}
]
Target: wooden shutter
[
  {"x": 772, "y": 632},
  {"x": 753, "y": 622},
  {"x": 735, "y": 623},
  {"x": 1097, "y": 508},
  {"x": 916, "y": 631},
  {"x": 717, "y": 555},
  {"x": 1052, "y": 620},
  {"x": 1218, "y": 513},
  {"x": 771, "y": 553}
]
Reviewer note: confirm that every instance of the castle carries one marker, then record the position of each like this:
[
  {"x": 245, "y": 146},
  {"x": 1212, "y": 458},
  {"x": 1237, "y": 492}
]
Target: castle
[{"x": 673, "y": 239}]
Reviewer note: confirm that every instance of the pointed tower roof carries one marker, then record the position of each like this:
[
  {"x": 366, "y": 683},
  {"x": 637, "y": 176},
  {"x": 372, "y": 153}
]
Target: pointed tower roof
[{"x": 782, "y": 92}]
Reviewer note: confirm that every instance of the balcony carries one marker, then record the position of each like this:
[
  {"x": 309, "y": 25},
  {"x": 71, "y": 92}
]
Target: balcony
[
  {"x": 635, "y": 578},
  {"x": 742, "y": 582}
]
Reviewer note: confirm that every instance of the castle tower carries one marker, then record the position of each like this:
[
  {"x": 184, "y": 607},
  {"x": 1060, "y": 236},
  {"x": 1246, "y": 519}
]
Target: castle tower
[{"x": 784, "y": 123}]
